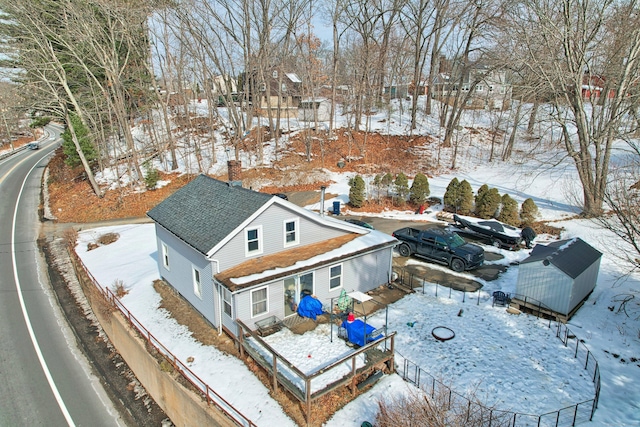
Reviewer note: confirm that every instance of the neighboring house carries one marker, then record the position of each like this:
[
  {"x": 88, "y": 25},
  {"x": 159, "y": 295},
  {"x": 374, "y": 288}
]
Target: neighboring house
[
  {"x": 560, "y": 275},
  {"x": 314, "y": 110},
  {"x": 593, "y": 86},
  {"x": 489, "y": 88},
  {"x": 276, "y": 91},
  {"x": 396, "y": 91},
  {"x": 234, "y": 253}
]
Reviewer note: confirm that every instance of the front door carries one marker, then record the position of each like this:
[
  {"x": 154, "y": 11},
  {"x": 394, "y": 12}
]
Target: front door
[{"x": 296, "y": 288}]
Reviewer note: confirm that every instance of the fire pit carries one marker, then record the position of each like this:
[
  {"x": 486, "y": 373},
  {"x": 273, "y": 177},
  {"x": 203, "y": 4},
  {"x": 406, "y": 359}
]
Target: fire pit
[{"x": 442, "y": 333}]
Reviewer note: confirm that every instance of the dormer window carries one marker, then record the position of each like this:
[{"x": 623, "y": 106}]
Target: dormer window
[
  {"x": 275, "y": 74},
  {"x": 253, "y": 241},
  {"x": 291, "y": 233},
  {"x": 263, "y": 87}
]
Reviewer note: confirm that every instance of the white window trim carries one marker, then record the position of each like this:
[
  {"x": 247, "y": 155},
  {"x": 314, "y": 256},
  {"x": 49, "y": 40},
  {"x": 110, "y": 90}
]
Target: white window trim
[
  {"x": 266, "y": 300},
  {"x": 296, "y": 231},
  {"x": 197, "y": 281},
  {"x": 165, "y": 255},
  {"x": 246, "y": 241},
  {"x": 341, "y": 276}
]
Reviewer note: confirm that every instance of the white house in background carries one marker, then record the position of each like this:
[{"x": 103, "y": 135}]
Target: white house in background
[
  {"x": 314, "y": 110},
  {"x": 560, "y": 276},
  {"x": 234, "y": 253}
]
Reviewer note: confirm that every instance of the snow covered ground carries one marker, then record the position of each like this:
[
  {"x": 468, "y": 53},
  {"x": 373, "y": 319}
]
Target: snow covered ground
[{"x": 516, "y": 362}]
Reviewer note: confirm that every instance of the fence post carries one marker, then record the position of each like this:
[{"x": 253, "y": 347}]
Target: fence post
[
  {"x": 575, "y": 414},
  {"x": 436, "y": 289},
  {"x": 557, "y": 418},
  {"x": 577, "y": 344},
  {"x": 449, "y": 293},
  {"x": 587, "y": 362},
  {"x": 478, "y": 297},
  {"x": 464, "y": 295}
]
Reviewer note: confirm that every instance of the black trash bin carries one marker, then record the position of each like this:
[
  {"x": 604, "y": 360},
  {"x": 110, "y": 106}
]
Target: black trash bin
[{"x": 336, "y": 208}]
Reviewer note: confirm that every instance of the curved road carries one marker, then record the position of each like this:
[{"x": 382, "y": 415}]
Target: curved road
[{"x": 46, "y": 381}]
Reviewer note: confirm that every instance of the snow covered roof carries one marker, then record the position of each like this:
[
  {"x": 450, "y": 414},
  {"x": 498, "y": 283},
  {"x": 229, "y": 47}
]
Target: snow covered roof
[
  {"x": 271, "y": 267},
  {"x": 571, "y": 256},
  {"x": 293, "y": 77}
]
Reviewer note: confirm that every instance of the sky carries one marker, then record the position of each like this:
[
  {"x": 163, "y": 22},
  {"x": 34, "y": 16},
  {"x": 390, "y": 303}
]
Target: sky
[{"x": 515, "y": 362}]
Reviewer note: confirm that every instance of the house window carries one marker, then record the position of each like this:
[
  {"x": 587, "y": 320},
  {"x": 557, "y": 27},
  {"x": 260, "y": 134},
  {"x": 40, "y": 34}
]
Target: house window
[
  {"x": 335, "y": 276},
  {"x": 479, "y": 88},
  {"x": 263, "y": 87},
  {"x": 291, "y": 232},
  {"x": 259, "y": 302},
  {"x": 226, "y": 301},
  {"x": 490, "y": 88},
  {"x": 503, "y": 90},
  {"x": 165, "y": 256},
  {"x": 465, "y": 88},
  {"x": 197, "y": 284},
  {"x": 284, "y": 87},
  {"x": 254, "y": 241}
]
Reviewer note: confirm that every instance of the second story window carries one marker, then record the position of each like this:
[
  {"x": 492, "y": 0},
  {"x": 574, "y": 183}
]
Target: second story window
[
  {"x": 253, "y": 241},
  {"x": 291, "y": 235}
]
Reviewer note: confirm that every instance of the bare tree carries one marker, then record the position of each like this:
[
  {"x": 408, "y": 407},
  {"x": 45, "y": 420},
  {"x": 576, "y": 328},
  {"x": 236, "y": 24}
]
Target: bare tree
[{"x": 573, "y": 44}]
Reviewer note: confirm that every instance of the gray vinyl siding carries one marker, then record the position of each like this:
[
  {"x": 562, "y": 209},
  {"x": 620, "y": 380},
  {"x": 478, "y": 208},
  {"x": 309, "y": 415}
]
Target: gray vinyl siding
[
  {"x": 546, "y": 284},
  {"x": 584, "y": 284},
  {"x": 272, "y": 222},
  {"x": 363, "y": 274},
  {"x": 182, "y": 259}
]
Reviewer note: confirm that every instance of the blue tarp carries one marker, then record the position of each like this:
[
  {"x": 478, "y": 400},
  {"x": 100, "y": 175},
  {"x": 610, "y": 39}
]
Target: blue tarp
[{"x": 310, "y": 307}]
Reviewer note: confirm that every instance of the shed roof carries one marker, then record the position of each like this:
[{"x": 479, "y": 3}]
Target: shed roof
[
  {"x": 571, "y": 256},
  {"x": 205, "y": 211}
]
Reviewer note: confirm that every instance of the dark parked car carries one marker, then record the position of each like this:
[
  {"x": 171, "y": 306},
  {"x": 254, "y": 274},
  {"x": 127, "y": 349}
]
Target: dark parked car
[
  {"x": 360, "y": 223},
  {"x": 441, "y": 246}
]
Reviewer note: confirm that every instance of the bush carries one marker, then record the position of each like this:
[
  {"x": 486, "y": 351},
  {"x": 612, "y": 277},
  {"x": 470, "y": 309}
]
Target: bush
[
  {"x": 402, "y": 187},
  {"x": 356, "y": 191},
  {"x": 465, "y": 201},
  {"x": 419, "y": 190},
  {"x": 151, "y": 176},
  {"x": 509, "y": 211},
  {"x": 528, "y": 212},
  {"x": 450, "y": 197},
  {"x": 487, "y": 202}
]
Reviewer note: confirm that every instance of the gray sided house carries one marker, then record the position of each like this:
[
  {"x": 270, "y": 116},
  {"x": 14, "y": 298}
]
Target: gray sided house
[
  {"x": 234, "y": 253},
  {"x": 560, "y": 275}
]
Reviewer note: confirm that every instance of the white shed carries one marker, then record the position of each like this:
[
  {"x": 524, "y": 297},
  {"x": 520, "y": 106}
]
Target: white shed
[
  {"x": 314, "y": 109},
  {"x": 560, "y": 276}
]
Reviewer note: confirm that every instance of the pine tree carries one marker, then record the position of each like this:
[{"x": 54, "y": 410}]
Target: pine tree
[
  {"x": 402, "y": 187},
  {"x": 69, "y": 149},
  {"x": 528, "y": 212},
  {"x": 487, "y": 203},
  {"x": 451, "y": 196},
  {"x": 509, "y": 211},
  {"x": 386, "y": 182},
  {"x": 465, "y": 198},
  {"x": 356, "y": 191},
  {"x": 419, "y": 189},
  {"x": 483, "y": 189}
]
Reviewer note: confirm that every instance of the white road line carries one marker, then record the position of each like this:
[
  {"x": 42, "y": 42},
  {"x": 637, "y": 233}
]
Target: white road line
[{"x": 32, "y": 335}]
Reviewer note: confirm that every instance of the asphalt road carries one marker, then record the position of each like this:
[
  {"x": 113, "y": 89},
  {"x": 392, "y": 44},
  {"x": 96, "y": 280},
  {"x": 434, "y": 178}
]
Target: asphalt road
[{"x": 46, "y": 381}]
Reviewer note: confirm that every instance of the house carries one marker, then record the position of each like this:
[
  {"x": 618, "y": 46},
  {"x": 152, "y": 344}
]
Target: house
[
  {"x": 593, "y": 86},
  {"x": 489, "y": 87},
  {"x": 558, "y": 277},
  {"x": 395, "y": 91},
  {"x": 275, "y": 91},
  {"x": 234, "y": 253},
  {"x": 314, "y": 110}
]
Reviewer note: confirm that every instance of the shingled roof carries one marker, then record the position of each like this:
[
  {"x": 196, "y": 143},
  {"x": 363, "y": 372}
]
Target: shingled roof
[
  {"x": 205, "y": 211},
  {"x": 570, "y": 256}
]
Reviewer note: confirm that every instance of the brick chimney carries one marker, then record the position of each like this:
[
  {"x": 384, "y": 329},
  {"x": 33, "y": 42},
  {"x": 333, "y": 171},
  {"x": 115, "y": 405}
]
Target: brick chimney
[{"x": 235, "y": 170}]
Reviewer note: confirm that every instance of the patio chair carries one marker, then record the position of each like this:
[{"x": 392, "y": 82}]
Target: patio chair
[{"x": 500, "y": 299}]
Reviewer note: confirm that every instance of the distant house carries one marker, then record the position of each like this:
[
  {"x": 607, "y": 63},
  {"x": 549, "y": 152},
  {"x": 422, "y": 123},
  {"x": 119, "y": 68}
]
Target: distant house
[
  {"x": 276, "y": 90},
  {"x": 560, "y": 276},
  {"x": 314, "y": 110},
  {"x": 234, "y": 253},
  {"x": 490, "y": 88},
  {"x": 396, "y": 91},
  {"x": 593, "y": 86}
]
